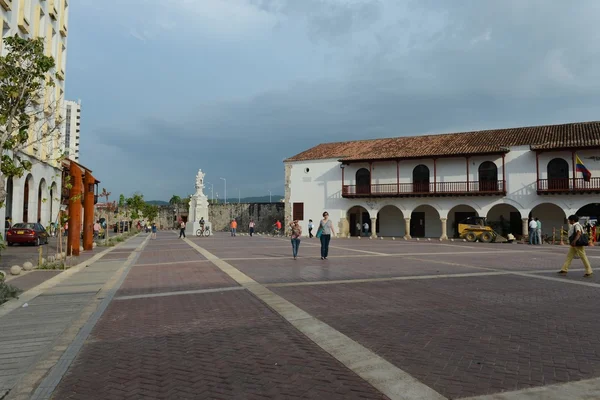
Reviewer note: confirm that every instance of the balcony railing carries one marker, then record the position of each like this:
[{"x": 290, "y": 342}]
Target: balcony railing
[
  {"x": 471, "y": 188},
  {"x": 568, "y": 185}
]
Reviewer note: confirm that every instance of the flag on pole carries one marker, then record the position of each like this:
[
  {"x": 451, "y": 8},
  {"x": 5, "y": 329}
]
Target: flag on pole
[{"x": 581, "y": 168}]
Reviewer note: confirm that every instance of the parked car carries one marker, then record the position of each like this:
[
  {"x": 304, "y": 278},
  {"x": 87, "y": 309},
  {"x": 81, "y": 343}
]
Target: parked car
[{"x": 27, "y": 233}]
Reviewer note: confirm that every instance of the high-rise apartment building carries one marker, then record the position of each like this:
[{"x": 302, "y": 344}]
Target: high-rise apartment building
[
  {"x": 36, "y": 195},
  {"x": 72, "y": 128}
]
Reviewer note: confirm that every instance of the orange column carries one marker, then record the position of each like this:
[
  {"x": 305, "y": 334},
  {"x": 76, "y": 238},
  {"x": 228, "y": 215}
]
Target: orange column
[
  {"x": 75, "y": 210},
  {"x": 88, "y": 211}
]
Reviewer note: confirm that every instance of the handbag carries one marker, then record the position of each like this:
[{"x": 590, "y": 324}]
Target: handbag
[
  {"x": 583, "y": 240},
  {"x": 319, "y": 233}
]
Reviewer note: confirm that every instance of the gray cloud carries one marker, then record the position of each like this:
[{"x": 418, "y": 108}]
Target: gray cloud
[{"x": 407, "y": 68}]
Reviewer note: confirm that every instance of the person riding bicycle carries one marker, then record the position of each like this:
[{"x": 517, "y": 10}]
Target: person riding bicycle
[{"x": 202, "y": 223}]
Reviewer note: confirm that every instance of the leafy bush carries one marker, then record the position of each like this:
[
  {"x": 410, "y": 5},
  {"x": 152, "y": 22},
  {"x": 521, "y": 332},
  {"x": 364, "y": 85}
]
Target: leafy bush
[{"x": 8, "y": 292}]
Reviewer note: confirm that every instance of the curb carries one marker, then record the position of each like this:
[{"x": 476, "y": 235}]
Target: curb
[{"x": 34, "y": 292}]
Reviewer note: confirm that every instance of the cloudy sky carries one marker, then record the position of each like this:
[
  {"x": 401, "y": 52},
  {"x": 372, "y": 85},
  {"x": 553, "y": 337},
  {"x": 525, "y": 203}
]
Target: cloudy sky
[{"x": 235, "y": 86}]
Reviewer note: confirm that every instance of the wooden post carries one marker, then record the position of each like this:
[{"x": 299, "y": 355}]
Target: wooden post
[
  {"x": 504, "y": 173},
  {"x": 88, "y": 211},
  {"x": 370, "y": 177},
  {"x": 398, "y": 177},
  {"x": 435, "y": 176},
  {"x": 75, "y": 210},
  {"x": 467, "y": 174},
  {"x": 342, "y": 165},
  {"x": 574, "y": 168},
  {"x": 537, "y": 169}
]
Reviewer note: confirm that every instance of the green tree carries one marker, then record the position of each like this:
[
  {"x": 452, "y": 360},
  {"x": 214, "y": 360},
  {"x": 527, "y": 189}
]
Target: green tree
[
  {"x": 150, "y": 212},
  {"x": 135, "y": 204},
  {"x": 26, "y": 115},
  {"x": 176, "y": 202}
]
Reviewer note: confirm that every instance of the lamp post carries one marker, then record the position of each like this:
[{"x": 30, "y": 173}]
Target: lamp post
[
  {"x": 225, "y": 182},
  {"x": 270, "y": 194}
]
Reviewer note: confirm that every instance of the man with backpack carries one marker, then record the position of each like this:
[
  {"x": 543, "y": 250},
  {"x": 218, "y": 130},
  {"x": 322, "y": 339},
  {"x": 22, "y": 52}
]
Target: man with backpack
[{"x": 578, "y": 239}]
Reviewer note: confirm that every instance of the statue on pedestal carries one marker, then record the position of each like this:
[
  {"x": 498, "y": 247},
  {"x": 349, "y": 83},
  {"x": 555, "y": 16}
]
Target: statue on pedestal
[{"x": 198, "y": 205}]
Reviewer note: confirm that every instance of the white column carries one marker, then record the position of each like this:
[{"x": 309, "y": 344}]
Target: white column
[
  {"x": 525, "y": 228},
  {"x": 444, "y": 229},
  {"x": 374, "y": 227},
  {"x": 407, "y": 228}
]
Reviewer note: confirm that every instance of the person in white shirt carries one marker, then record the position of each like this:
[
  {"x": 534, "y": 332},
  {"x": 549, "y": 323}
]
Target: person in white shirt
[
  {"x": 311, "y": 226},
  {"x": 366, "y": 229},
  {"x": 532, "y": 231},
  {"x": 577, "y": 248},
  {"x": 358, "y": 229}
]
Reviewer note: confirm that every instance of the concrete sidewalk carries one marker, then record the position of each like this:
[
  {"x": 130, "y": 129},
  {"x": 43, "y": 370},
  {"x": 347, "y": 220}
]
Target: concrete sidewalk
[{"x": 36, "y": 329}]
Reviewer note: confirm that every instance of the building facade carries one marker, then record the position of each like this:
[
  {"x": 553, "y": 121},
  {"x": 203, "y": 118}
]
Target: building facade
[
  {"x": 72, "y": 129},
  {"x": 423, "y": 186},
  {"x": 36, "y": 195}
]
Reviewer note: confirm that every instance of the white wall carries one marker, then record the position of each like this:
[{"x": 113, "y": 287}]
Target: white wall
[{"x": 320, "y": 189}]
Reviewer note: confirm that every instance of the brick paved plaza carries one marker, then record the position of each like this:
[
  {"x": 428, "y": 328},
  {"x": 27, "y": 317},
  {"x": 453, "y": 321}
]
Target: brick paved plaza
[{"x": 223, "y": 318}]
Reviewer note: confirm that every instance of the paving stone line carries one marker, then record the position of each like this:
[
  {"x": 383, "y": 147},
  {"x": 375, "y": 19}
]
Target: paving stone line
[
  {"x": 48, "y": 385},
  {"x": 581, "y": 390},
  {"x": 384, "y": 376},
  {"x": 181, "y": 292}
]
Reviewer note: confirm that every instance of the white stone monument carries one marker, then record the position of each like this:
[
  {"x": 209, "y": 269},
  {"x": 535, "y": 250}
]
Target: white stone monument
[{"x": 198, "y": 207}]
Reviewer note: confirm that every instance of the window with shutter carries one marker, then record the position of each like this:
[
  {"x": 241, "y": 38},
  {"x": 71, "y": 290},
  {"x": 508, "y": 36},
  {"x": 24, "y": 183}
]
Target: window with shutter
[{"x": 298, "y": 211}]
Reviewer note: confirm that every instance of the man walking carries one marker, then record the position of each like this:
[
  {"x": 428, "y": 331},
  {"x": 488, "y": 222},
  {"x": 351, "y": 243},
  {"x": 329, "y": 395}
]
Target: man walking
[
  {"x": 366, "y": 229},
  {"x": 577, "y": 242},
  {"x": 538, "y": 230},
  {"x": 182, "y": 229},
  {"x": 310, "y": 228},
  {"x": 532, "y": 231},
  {"x": 233, "y": 227}
]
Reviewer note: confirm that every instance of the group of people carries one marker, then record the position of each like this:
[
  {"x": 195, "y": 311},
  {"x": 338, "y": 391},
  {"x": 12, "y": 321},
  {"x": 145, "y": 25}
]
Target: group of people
[
  {"x": 535, "y": 231},
  {"x": 324, "y": 233}
]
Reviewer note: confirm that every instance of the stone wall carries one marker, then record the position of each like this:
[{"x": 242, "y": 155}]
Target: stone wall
[{"x": 264, "y": 215}]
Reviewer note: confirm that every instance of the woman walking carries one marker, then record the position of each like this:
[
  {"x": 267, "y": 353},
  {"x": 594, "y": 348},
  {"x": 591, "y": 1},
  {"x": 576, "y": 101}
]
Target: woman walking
[
  {"x": 577, "y": 241},
  {"x": 251, "y": 227},
  {"x": 153, "y": 230},
  {"x": 324, "y": 233},
  {"x": 296, "y": 233}
]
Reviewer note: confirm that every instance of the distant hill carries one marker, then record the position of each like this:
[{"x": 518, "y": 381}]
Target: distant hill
[{"x": 158, "y": 203}]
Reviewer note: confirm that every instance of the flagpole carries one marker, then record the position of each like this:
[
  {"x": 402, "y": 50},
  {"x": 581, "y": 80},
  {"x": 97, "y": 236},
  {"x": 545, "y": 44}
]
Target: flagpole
[{"x": 574, "y": 170}]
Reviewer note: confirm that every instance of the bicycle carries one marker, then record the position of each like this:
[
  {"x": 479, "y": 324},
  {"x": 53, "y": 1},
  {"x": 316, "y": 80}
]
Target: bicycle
[
  {"x": 276, "y": 233},
  {"x": 203, "y": 232}
]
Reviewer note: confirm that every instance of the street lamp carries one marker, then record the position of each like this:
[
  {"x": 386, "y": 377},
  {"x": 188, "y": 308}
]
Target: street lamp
[
  {"x": 225, "y": 182},
  {"x": 270, "y": 194}
]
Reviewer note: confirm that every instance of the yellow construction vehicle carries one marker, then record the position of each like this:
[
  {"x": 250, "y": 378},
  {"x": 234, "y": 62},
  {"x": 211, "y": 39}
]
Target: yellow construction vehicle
[{"x": 473, "y": 229}]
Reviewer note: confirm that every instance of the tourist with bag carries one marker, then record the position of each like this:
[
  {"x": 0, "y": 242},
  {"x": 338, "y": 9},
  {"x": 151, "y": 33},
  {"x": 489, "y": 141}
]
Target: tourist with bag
[
  {"x": 578, "y": 239},
  {"x": 296, "y": 234},
  {"x": 324, "y": 233}
]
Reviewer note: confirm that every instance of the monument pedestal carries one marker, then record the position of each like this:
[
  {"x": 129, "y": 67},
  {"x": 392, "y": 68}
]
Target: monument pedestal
[{"x": 198, "y": 208}]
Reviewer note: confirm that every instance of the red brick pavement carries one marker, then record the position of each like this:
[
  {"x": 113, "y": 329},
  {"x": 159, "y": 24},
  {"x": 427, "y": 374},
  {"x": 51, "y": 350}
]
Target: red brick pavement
[
  {"x": 468, "y": 336},
  {"x": 146, "y": 279},
  {"x": 208, "y": 346},
  {"x": 166, "y": 255}
]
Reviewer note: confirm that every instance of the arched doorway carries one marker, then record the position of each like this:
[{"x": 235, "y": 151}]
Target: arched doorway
[
  {"x": 551, "y": 216},
  {"x": 455, "y": 216},
  {"x": 558, "y": 174},
  {"x": 505, "y": 219},
  {"x": 488, "y": 177},
  {"x": 591, "y": 211},
  {"x": 28, "y": 196},
  {"x": 54, "y": 202},
  {"x": 363, "y": 181},
  {"x": 9, "y": 197},
  {"x": 421, "y": 179},
  {"x": 390, "y": 222},
  {"x": 42, "y": 205},
  {"x": 358, "y": 216},
  {"x": 425, "y": 222}
]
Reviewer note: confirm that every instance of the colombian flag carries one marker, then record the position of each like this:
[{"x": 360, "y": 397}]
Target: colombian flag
[{"x": 581, "y": 168}]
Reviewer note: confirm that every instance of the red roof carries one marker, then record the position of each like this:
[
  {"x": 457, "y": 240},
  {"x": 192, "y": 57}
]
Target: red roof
[{"x": 565, "y": 136}]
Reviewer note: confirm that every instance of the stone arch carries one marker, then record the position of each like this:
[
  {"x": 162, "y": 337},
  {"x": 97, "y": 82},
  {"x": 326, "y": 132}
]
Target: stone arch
[
  {"x": 29, "y": 200},
  {"x": 420, "y": 180},
  {"x": 488, "y": 177},
  {"x": 9, "y": 197},
  {"x": 456, "y": 214},
  {"x": 358, "y": 215},
  {"x": 54, "y": 200},
  {"x": 558, "y": 174},
  {"x": 425, "y": 222},
  {"x": 42, "y": 202},
  {"x": 363, "y": 181},
  {"x": 591, "y": 210},
  {"x": 390, "y": 221},
  {"x": 505, "y": 218},
  {"x": 551, "y": 216}
]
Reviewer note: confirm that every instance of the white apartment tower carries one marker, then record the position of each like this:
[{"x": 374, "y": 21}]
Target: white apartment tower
[
  {"x": 36, "y": 195},
  {"x": 72, "y": 128}
]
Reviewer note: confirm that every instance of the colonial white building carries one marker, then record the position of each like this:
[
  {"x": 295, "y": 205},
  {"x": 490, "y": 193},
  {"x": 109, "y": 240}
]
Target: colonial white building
[
  {"x": 72, "y": 129},
  {"x": 423, "y": 186},
  {"x": 36, "y": 195}
]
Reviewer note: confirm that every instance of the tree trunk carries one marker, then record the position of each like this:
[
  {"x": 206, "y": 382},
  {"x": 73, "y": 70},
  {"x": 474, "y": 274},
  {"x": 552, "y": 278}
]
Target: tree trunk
[{"x": 2, "y": 189}]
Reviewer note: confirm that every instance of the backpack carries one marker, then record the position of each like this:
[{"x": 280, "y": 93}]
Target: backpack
[{"x": 583, "y": 240}]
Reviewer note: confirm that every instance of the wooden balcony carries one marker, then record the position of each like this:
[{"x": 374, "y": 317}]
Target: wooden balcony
[
  {"x": 568, "y": 185},
  {"x": 472, "y": 188}
]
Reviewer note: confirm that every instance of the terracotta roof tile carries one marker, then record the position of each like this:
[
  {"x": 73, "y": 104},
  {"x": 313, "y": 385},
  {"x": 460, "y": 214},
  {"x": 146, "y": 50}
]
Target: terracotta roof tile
[{"x": 574, "y": 135}]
